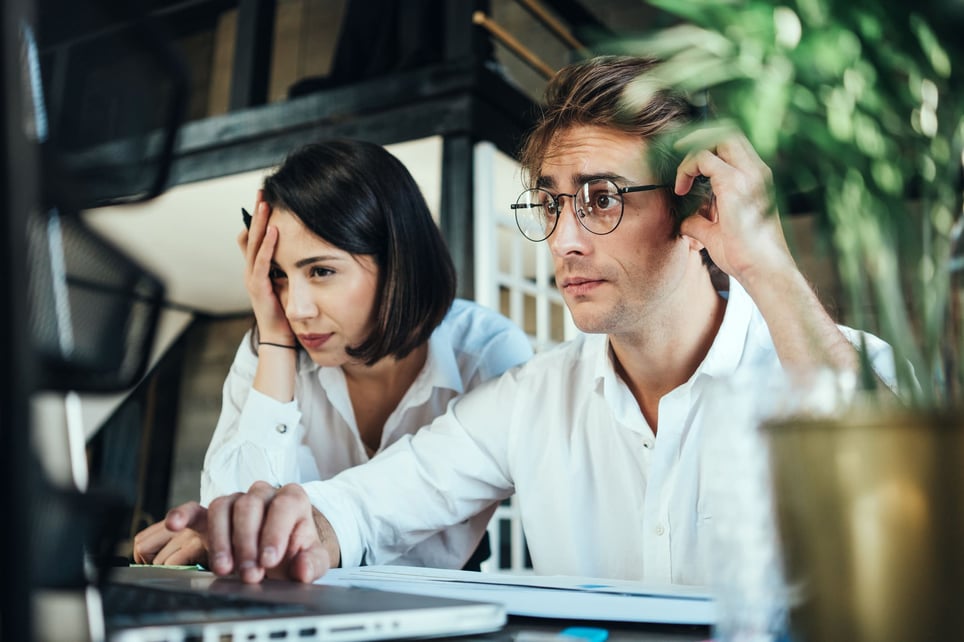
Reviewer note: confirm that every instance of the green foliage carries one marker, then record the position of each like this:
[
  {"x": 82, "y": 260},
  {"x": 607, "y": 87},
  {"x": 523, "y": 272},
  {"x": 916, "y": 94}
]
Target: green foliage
[{"x": 854, "y": 105}]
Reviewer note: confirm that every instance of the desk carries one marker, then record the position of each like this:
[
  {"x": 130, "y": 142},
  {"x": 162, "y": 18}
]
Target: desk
[{"x": 618, "y": 631}]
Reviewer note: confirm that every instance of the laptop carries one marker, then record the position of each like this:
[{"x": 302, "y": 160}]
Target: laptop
[
  {"x": 158, "y": 604},
  {"x": 134, "y": 603}
]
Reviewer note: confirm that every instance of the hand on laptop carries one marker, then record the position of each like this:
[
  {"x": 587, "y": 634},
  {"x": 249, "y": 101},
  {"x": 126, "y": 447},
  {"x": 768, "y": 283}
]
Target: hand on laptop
[
  {"x": 265, "y": 532},
  {"x": 158, "y": 545}
]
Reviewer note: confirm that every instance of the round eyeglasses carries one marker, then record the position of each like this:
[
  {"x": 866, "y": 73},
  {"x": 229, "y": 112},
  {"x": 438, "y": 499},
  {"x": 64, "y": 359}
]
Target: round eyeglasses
[{"x": 598, "y": 206}]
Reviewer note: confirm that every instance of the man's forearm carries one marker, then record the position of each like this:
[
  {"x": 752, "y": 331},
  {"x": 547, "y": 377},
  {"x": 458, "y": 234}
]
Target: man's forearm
[{"x": 804, "y": 334}]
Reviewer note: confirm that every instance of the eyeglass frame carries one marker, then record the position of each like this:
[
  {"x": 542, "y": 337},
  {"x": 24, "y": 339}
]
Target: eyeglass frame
[{"x": 555, "y": 198}]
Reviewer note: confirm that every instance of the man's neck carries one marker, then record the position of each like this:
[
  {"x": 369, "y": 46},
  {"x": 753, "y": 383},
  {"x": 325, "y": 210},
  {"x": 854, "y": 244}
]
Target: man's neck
[{"x": 663, "y": 356}]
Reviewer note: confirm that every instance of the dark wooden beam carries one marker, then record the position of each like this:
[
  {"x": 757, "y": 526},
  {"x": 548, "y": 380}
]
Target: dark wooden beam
[
  {"x": 259, "y": 150},
  {"x": 447, "y": 99},
  {"x": 252, "y": 54},
  {"x": 463, "y": 39},
  {"x": 456, "y": 211}
]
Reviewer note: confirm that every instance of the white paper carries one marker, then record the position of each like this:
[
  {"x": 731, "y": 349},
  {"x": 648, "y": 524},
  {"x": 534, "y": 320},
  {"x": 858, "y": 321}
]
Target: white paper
[{"x": 553, "y": 596}]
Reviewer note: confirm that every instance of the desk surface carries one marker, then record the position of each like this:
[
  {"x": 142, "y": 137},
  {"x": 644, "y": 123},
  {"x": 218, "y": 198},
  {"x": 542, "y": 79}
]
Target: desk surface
[{"x": 618, "y": 631}]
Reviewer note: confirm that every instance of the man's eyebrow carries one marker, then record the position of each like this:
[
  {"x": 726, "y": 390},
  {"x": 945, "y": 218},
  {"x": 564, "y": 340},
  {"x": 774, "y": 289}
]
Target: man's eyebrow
[
  {"x": 580, "y": 179},
  {"x": 547, "y": 182}
]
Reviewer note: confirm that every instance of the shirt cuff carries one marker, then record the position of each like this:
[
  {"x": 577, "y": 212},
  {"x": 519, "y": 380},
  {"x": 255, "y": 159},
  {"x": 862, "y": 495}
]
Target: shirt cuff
[
  {"x": 268, "y": 422},
  {"x": 336, "y": 508}
]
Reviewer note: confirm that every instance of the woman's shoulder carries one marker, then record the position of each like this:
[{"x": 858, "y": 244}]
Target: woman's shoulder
[
  {"x": 470, "y": 318},
  {"x": 482, "y": 338}
]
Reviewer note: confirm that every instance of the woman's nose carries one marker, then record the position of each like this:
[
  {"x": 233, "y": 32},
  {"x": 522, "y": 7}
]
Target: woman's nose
[{"x": 299, "y": 304}]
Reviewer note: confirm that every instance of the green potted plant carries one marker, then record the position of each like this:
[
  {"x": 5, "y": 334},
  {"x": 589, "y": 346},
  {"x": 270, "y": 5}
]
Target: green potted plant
[{"x": 858, "y": 108}]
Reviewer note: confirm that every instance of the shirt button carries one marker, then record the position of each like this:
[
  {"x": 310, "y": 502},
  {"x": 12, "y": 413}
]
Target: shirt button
[
  {"x": 660, "y": 530},
  {"x": 281, "y": 428}
]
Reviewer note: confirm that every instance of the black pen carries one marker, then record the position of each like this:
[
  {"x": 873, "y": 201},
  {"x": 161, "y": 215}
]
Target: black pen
[{"x": 246, "y": 218}]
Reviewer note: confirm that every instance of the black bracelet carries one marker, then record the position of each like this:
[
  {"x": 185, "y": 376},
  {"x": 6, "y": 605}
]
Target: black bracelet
[{"x": 277, "y": 345}]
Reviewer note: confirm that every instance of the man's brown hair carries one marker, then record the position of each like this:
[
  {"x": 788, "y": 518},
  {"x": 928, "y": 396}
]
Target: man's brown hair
[{"x": 615, "y": 92}]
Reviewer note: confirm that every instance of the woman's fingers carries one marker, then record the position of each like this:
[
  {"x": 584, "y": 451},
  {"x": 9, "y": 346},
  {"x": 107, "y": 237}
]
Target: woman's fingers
[
  {"x": 149, "y": 542},
  {"x": 183, "y": 548}
]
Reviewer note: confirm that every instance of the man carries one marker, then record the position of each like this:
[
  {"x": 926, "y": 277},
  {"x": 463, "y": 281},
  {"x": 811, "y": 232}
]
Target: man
[{"x": 599, "y": 438}]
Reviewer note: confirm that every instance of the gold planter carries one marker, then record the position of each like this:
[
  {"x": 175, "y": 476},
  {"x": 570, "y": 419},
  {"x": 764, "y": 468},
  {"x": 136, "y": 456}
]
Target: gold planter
[{"x": 870, "y": 512}]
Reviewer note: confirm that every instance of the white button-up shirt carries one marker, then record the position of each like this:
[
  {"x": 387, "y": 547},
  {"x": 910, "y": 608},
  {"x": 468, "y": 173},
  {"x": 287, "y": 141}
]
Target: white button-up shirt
[
  {"x": 315, "y": 436},
  {"x": 599, "y": 493}
]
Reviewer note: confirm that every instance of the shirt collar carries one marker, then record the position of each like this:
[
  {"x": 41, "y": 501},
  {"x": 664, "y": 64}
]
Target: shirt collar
[
  {"x": 441, "y": 366},
  {"x": 730, "y": 342}
]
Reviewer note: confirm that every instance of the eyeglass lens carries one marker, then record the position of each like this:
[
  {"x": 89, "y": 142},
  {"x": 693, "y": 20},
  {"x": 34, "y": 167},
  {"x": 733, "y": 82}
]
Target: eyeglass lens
[{"x": 598, "y": 206}]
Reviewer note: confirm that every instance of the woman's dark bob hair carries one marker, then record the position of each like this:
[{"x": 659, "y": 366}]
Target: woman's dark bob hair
[{"x": 360, "y": 198}]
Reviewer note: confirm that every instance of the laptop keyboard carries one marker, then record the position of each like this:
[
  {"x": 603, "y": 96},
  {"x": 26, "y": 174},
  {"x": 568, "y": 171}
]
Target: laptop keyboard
[{"x": 128, "y": 605}]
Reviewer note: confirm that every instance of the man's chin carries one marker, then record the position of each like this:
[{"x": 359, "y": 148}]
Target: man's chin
[{"x": 587, "y": 319}]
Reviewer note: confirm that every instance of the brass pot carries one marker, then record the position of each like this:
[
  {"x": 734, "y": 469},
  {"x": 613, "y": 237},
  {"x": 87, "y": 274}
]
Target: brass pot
[{"x": 870, "y": 511}]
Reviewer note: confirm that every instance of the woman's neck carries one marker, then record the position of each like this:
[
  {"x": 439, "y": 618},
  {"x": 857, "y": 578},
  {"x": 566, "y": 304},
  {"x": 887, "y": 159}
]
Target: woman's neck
[{"x": 375, "y": 391}]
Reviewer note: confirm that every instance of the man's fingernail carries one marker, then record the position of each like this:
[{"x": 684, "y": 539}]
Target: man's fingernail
[
  {"x": 251, "y": 574},
  {"x": 269, "y": 556}
]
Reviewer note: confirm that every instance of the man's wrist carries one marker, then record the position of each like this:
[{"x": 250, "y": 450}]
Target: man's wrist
[{"x": 327, "y": 537}]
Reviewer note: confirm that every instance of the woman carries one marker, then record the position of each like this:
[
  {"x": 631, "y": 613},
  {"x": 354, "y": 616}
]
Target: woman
[{"x": 358, "y": 340}]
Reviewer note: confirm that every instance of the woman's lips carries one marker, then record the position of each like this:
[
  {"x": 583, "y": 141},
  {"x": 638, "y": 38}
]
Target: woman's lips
[{"x": 313, "y": 341}]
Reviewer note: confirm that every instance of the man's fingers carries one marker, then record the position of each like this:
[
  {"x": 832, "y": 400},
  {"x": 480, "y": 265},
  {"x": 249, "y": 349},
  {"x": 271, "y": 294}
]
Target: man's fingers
[
  {"x": 288, "y": 508},
  {"x": 696, "y": 227},
  {"x": 218, "y": 533},
  {"x": 248, "y": 514},
  {"x": 312, "y": 560},
  {"x": 702, "y": 163},
  {"x": 308, "y": 565}
]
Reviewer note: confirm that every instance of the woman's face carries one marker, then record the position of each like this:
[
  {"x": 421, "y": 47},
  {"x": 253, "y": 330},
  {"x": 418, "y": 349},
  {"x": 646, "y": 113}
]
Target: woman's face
[{"x": 327, "y": 293}]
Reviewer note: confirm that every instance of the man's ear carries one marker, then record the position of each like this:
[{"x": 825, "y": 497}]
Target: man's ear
[
  {"x": 707, "y": 209},
  {"x": 695, "y": 245}
]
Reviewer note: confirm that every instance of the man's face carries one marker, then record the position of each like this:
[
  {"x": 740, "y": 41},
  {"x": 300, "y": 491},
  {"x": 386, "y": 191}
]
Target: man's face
[{"x": 618, "y": 282}]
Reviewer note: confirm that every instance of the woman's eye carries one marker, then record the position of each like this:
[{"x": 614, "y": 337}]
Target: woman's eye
[
  {"x": 321, "y": 272},
  {"x": 275, "y": 274}
]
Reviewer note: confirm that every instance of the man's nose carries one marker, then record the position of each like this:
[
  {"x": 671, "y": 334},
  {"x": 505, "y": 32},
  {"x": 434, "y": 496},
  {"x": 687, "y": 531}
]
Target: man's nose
[{"x": 569, "y": 235}]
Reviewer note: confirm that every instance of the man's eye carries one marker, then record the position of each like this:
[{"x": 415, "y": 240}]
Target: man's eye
[
  {"x": 551, "y": 206},
  {"x": 605, "y": 201}
]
